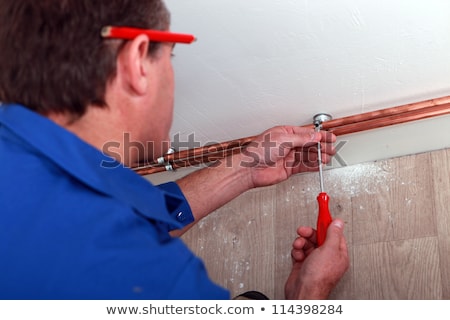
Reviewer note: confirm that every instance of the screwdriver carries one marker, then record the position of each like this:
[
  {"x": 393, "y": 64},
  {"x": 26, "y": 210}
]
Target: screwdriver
[{"x": 324, "y": 217}]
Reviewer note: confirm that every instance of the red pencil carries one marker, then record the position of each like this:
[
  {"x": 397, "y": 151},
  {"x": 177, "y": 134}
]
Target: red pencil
[{"x": 154, "y": 35}]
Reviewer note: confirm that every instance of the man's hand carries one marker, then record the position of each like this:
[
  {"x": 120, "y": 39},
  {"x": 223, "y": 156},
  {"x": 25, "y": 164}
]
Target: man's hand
[
  {"x": 316, "y": 271},
  {"x": 283, "y": 151},
  {"x": 273, "y": 157}
]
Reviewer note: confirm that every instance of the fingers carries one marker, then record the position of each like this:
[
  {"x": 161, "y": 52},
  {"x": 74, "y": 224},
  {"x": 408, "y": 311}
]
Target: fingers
[
  {"x": 324, "y": 136},
  {"x": 300, "y": 136},
  {"x": 306, "y": 159},
  {"x": 304, "y": 244},
  {"x": 327, "y": 136},
  {"x": 315, "y": 273},
  {"x": 296, "y": 145},
  {"x": 307, "y": 236},
  {"x": 335, "y": 235},
  {"x": 305, "y": 232},
  {"x": 310, "y": 155},
  {"x": 335, "y": 242},
  {"x": 298, "y": 255}
]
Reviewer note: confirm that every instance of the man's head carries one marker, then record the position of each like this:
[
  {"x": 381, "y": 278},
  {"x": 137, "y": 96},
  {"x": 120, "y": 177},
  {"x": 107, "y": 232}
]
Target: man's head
[{"x": 52, "y": 57}]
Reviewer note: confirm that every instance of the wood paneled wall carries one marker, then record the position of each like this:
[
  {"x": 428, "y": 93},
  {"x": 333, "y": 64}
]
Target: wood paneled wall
[{"x": 397, "y": 229}]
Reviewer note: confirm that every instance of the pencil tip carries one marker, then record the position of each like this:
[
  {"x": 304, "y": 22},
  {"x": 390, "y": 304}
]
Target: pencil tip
[{"x": 106, "y": 32}]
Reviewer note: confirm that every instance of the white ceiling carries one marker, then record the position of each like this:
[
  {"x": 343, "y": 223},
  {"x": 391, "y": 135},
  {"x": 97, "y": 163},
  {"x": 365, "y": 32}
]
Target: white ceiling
[{"x": 260, "y": 63}]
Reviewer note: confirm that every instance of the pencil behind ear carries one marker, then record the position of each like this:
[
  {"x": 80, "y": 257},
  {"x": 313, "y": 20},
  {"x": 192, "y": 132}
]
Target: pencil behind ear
[{"x": 133, "y": 65}]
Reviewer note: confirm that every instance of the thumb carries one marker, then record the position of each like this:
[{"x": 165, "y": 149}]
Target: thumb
[{"x": 335, "y": 233}]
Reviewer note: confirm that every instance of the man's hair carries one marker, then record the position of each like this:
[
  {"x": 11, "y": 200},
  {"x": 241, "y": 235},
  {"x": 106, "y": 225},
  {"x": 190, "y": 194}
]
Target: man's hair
[{"x": 52, "y": 56}]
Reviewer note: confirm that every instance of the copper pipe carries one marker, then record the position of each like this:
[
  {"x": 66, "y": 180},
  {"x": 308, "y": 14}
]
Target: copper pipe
[
  {"x": 346, "y": 125},
  {"x": 421, "y": 107},
  {"x": 198, "y": 152},
  {"x": 189, "y": 162},
  {"x": 211, "y": 149},
  {"x": 394, "y": 119}
]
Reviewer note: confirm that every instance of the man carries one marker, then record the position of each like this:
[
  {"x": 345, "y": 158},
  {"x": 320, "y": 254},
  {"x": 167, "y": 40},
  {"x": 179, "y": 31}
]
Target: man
[{"x": 71, "y": 228}]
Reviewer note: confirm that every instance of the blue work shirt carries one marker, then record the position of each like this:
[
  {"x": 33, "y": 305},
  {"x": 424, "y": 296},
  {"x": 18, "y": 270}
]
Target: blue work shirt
[{"x": 75, "y": 225}]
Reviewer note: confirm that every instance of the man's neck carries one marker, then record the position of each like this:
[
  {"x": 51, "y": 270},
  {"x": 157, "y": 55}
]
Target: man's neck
[{"x": 99, "y": 127}]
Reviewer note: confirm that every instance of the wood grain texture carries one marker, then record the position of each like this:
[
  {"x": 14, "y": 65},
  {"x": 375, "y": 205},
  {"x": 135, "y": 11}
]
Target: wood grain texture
[
  {"x": 405, "y": 269},
  {"x": 397, "y": 226},
  {"x": 401, "y": 207},
  {"x": 237, "y": 243},
  {"x": 441, "y": 179}
]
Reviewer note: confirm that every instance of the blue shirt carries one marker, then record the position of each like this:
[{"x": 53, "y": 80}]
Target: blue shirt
[{"x": 74, "y": 226}]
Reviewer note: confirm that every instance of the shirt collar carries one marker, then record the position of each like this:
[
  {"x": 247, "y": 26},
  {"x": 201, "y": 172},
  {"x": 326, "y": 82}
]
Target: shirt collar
[{"x": 84, "y": 162}]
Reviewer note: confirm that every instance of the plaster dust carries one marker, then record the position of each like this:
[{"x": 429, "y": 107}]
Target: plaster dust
[{"x": 354, "y": 180}]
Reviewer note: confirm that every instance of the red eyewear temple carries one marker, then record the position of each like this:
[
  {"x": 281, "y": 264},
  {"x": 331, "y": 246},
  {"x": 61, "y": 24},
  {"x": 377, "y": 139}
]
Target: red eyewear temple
[{"x": 127, "y": 33}]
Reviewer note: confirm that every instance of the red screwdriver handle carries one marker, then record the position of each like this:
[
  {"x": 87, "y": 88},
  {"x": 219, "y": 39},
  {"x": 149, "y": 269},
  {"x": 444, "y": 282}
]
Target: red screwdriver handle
[{"x": 324, "y": 218}]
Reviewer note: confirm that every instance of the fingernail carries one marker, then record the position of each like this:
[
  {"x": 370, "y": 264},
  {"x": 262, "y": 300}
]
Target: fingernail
[{"x": 338, "y": 223}]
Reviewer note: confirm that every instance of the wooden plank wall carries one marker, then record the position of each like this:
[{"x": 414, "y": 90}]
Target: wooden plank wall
[{"x": 397, "y": 227}]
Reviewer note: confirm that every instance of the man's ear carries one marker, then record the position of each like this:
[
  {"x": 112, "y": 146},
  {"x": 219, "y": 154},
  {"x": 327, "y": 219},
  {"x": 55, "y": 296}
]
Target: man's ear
[{"x": 134, "y": 65}]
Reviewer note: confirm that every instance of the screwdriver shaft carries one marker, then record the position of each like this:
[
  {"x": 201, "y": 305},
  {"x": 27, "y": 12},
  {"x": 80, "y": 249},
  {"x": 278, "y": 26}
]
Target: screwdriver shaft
[
  {"x": 319, "y": 159},
  {"x": 319, "y": 152}
]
